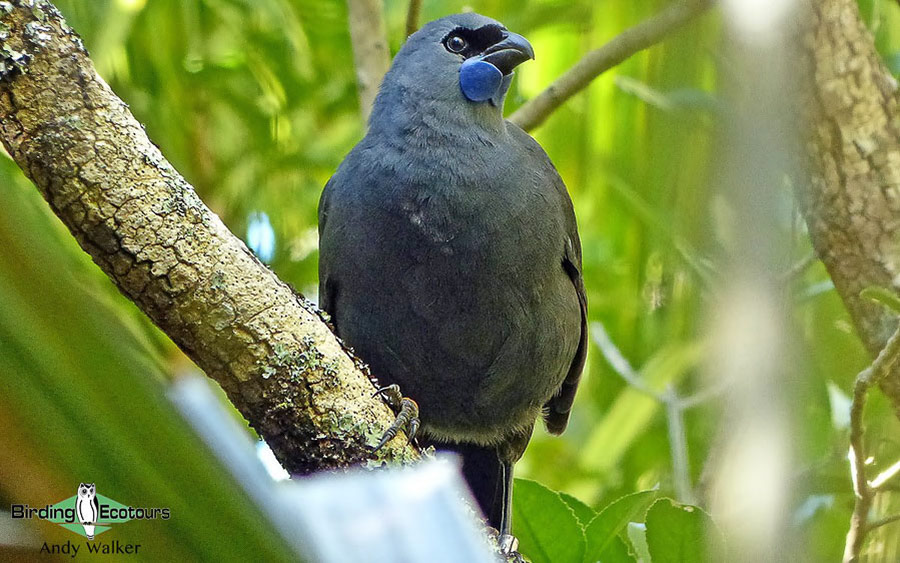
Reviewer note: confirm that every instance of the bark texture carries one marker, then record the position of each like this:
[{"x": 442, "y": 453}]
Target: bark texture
[
  {"x": 852, "y": 201},
  {"x": 165, "y": 250}
]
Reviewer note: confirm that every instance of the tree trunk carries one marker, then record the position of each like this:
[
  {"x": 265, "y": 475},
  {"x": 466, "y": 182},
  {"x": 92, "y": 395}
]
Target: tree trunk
[{"x": 852, "y": 198}]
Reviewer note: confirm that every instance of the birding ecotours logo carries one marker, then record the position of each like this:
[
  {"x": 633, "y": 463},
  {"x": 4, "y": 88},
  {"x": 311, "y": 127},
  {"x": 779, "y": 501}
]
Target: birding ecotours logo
[
  {"x": 88, "y": 513},
  {"x": 87, "y": 507}
]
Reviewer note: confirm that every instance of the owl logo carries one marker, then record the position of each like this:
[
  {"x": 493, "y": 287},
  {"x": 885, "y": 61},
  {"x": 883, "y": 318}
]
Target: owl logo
[{"x": 86, "y": 507}]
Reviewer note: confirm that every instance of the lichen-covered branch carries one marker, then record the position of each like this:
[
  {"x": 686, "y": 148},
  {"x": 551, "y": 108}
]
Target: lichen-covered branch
[
  {"x": 633, "y": 40},
  {"x": 370, "y": 49},
  {"x": 165, "y": 250},
  {"x": 852, "y": 199}
]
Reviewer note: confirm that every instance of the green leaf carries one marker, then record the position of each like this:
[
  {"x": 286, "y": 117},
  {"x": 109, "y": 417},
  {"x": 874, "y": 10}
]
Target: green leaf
[
  {"x": 637, "y": 537},
  {"x": 883, "y": 296},
  {"x": 603, "y": 530},
  {"x": 546, "y": 526},
  {"x": 616, "y": 552},
  {"x": 681, "y": 533},
  {"x": 583, "y": 512}
]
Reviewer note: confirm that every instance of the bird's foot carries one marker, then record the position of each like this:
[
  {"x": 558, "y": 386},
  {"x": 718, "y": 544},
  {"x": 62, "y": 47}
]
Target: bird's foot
[
  {"x": 407, "y": 414},
  {"x": 509, "y": 546},
  {"x": 508, "y": 543}
]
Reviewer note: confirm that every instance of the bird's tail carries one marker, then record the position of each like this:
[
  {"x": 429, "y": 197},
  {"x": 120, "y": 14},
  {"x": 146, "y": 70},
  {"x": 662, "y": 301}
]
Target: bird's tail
[{"x": 483, "y": 473}]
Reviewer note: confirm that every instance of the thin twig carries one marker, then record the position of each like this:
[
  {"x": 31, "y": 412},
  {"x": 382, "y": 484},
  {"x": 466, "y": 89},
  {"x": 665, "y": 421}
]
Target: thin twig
[
  {"x": 865, "y": 493},
  {"x": 674, "y": 405},
  {"x": 618, "y": 362},
  {"x": 412, "y": 16},
  {"x": 798, "y": 268},
  {"x": 681, "y": 469},
  {"x": 370, "y": 49},
  {"x": 703, "y": 395},
  {"x": 885, "y": 476},
  {"x": 883, "y": 521},
  {"x": 631, "y": 41}
]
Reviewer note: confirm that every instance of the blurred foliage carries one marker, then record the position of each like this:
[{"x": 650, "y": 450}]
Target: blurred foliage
[{"x": 255, "y": 103}]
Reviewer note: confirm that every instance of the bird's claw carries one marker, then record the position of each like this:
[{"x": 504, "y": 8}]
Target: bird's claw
[
  {"x": 407, "y": 415},
  {"x": 508, "y": 546},
  {"x": 391, "y": 395},
  {"x": 508, "y": 543}
]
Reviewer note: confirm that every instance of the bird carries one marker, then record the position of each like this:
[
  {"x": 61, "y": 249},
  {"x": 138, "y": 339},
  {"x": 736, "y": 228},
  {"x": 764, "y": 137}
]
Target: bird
[
  {"x": 87, "y": 508},
  {"x": 449, "y": 255}
]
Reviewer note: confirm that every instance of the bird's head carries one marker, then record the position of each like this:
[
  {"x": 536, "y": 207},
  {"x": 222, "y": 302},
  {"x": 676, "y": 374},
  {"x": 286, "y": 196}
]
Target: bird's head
[{"x": 462, "y": 61}]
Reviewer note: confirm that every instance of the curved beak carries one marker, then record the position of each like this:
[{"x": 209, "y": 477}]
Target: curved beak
[{"x": 509, "y": 53}]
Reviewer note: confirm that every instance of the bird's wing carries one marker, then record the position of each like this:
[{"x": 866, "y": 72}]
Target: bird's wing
[
  {"x": 556, "y": 410},
  {"x": 327, "y": 285},
  {"x": 558, "y": 407}
]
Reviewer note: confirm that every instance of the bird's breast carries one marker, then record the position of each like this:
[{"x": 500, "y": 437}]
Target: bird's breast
[
  {"x": 449, "y": 283},
  {"x": 430, "y": 223}
]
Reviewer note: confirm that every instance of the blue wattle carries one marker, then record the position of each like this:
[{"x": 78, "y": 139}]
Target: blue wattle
[{"x": 479, "y": 80}]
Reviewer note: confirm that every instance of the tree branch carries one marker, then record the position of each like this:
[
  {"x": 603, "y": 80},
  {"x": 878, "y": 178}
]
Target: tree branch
[
  {"x": 852, "y": 200},
  {"x": 863, "y": 489},
  {"x": 165, "y": 250},
  {"x": 412, "y": 16},
  {"x": 884, "y": 521},
  {"x": 631, "y": 41},
  {"x": 370, "y": 49},
  {"x": 674, "y": 404}
]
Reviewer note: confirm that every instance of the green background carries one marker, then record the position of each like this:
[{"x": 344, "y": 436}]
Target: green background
[{"x": 254, "y": 102}]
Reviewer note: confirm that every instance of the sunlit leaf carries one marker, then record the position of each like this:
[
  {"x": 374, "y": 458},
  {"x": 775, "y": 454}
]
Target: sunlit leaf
[
  {"x": 680, "y": 533},
  {"x": 547, "y": 528},
  {"x": 604, "y": 530}
]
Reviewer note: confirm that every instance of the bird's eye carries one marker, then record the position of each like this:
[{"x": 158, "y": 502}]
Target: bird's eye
[{"x": 456, "y": 44}]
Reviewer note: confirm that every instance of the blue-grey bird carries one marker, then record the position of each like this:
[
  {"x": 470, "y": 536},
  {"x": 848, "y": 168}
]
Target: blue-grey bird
[{"x": 449, "y": 254}]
